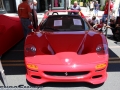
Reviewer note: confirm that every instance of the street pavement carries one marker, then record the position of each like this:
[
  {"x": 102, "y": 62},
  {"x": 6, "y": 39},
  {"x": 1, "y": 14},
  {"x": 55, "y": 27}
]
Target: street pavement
[
  {"x": 15, "y": 73},
  {"x": 40, "y": 15}
]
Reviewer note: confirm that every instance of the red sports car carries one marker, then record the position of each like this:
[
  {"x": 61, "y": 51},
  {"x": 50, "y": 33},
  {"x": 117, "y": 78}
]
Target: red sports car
[{"x": 65, "y": 48}]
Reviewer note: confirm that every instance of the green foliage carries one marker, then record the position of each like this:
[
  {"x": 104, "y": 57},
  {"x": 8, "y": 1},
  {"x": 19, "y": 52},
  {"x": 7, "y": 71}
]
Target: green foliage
[
  {"x": 87, "y": 1},
  {"x": 102, "y": 8},
  {"x": 72, "y": 1}
]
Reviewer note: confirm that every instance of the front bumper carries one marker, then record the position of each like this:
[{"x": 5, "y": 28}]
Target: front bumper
[{"x": 93, "y": 76}]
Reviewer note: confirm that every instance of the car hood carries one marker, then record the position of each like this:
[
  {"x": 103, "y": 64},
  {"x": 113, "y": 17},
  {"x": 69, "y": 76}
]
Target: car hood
[
  {"x": 66, "y": 58},
  {"x": 69, "y": 48},
  {"x": 67, "y": 41}
]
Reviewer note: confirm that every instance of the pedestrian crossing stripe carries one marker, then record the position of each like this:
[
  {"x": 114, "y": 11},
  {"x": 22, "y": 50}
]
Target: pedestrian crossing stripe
[{"x": 21, "y": 62}]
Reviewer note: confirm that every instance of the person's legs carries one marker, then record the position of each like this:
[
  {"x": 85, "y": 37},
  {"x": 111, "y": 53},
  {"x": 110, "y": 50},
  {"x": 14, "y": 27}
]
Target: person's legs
[
  {"x": 104, "y": 18},
  {"x": 25, "y": 24},
  {"x": 96, "y": 12}
]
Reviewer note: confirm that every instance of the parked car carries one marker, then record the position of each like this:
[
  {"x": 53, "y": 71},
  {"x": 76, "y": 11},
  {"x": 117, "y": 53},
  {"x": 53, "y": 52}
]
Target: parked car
[
  {"x": 11, "y": 32},
  {"x": 65, "y": 48}
]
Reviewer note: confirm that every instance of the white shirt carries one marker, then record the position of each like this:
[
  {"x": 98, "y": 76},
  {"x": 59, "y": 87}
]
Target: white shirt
[
  {"x": 96, "y": 21},
  {"x": 31, "y": 6}
]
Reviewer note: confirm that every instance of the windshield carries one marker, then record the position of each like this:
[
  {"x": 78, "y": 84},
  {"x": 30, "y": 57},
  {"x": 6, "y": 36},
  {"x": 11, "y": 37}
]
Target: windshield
[{"x": 64, "y": 23}]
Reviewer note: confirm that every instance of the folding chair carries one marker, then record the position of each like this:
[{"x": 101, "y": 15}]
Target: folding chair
[{"x": 3, "y": 74}]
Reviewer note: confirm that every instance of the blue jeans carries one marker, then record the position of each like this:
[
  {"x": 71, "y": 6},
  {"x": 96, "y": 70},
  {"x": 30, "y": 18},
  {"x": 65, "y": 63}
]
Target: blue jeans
[
  {"x": 96, "y": 11},
  {"x": 104, "y": 18},
  {"x": 25, "y": 24}
]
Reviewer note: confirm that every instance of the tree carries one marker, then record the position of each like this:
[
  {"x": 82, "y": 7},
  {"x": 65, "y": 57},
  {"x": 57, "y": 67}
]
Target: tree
[{"x": 72, "y": 1}]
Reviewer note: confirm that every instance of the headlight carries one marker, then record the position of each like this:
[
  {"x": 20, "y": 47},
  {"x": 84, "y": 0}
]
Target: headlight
[
  {"x": 32, "y": 66},
  {"x": 100, "y": 66},
  {"x": 101, "y": 49},
  {"x": 33, "y": 49},
  {"x": 30, "y": 50}
]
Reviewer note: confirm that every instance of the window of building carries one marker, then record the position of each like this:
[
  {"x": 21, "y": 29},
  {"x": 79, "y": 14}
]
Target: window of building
[
  {"x": 58, "y": 4},
  {"x": 1, "y": 5}
]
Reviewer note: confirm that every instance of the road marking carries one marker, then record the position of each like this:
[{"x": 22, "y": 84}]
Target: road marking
[
  {"x": 5, "y": 61},
  {"x": 114, "y": 46},
  {"x": 113, "y": 60},
  {"x": 17, "y": 65}
]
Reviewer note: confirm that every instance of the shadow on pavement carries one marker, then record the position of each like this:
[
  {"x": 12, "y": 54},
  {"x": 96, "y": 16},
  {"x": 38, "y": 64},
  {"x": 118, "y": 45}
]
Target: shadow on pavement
[
  {"x": 13, "y": 60},
  {"x": 110, "y": 37},
  {"x": 66, "y": 84},
  {"x": 113, "y": 67},
  {"x": 14, "y": 70},
  {"x": 112, "y": 54}
]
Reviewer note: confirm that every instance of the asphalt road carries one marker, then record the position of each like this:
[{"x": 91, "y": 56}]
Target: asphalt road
[{"x": 13, "y": 64}]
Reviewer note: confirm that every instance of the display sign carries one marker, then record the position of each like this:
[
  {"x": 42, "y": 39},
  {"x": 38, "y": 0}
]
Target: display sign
[
  {"x": 57, "y": 22},
  {"x": 77, "y": 22}
]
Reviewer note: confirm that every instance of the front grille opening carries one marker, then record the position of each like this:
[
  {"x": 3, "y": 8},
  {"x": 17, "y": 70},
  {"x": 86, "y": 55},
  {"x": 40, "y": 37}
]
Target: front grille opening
[
  {"x": 66, "y": 73},
  {"x": 36, "y": 77},
  {"x": 97, "y": 76}
]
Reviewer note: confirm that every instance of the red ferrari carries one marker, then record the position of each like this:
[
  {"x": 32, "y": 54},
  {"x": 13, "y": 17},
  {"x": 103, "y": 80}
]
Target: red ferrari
[{"x": 65, "y": 48}]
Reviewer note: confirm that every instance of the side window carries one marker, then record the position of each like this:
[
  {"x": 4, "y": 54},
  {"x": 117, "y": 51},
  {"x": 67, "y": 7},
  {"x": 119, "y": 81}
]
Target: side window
[{"x": 42, "y": 23}]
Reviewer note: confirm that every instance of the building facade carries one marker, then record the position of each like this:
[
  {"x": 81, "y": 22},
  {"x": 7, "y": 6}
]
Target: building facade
[
  {"x": 42, "y": 5},
  {"x": 2, "y": 8},
  {"x": 10, "y": 6}
]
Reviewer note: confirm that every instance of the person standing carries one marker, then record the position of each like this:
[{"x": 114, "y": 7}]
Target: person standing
[
  {"x": 33, "y": 5},
  {"x": 88, "y": 7},
  {"x": 113, "y": 10},
  {"x": 75, "y": 7},
  {"x": 91, "y": 7},
  {"x": 106, "y": 10},
  {"x": 96, "y": 8},
  {"x": 24, "y": 13}
]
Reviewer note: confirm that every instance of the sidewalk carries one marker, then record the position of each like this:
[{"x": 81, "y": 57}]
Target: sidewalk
[
  {"x": 40, "y": 15},
  {"x": 86, "y": 12}
]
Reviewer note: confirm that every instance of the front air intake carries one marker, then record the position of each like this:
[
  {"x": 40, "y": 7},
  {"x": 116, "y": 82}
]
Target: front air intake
[{"x": 66, "y": 73}]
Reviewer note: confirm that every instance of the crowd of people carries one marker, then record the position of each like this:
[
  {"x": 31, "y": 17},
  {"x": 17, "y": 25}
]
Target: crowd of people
[
  {"x": 25, "y": 9},
  {"x": 108, "y": 20},
  {"x": 93, "y": 7}
]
